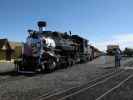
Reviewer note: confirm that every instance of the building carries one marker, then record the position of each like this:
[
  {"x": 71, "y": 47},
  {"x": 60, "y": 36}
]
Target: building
[
  {"x": 17, "y": 47},
  {"x": 111, "y": 49},
  {"x": 5, "y": 50}
]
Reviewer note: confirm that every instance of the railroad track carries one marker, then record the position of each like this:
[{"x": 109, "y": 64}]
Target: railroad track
[
  {"x": 98, "y": 90},
  {"x": 62, "y": 95},
  {"x": 123, "y": 91}
]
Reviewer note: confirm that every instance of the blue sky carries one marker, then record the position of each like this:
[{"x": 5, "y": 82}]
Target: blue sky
[{"x": 102, "y": 22}]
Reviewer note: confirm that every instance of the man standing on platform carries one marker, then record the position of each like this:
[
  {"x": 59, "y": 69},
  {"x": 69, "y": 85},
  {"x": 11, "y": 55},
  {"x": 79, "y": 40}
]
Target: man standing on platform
[{"x": 117, "y": 57}]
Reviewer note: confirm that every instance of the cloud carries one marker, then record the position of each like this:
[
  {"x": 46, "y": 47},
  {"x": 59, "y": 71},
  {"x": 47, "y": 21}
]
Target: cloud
[{"x": 123, "y": 40}]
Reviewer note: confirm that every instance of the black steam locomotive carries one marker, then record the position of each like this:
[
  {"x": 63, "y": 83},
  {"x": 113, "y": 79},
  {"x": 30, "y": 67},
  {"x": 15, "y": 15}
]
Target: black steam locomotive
[{"x": 47, "y": 50}]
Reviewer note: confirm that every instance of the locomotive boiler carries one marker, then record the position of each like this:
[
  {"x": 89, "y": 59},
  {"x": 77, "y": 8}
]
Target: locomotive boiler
[{"x": 48, "y": 50}]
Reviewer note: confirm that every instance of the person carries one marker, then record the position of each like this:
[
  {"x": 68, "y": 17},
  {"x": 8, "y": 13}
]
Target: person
[{"x": 117, "y": 57}]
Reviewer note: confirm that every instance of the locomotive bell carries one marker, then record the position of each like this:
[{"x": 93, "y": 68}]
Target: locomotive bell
[{"x": 41, "y": 24}]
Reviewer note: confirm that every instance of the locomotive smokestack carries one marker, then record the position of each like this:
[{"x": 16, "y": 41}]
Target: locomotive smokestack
[{"x": 41, "y": 24}]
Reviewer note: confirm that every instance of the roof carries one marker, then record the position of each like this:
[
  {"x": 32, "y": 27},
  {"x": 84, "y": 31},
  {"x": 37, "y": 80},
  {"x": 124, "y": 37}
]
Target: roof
[{"x": 4, "y": 44}]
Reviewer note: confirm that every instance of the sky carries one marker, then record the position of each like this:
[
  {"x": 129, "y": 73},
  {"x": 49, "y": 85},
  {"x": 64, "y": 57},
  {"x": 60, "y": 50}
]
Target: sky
[{"x": 102, "y": 22}]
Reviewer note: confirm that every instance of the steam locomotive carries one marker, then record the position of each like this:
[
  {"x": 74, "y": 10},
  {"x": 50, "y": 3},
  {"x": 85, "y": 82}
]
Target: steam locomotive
[{"x": 48, "y": 50}]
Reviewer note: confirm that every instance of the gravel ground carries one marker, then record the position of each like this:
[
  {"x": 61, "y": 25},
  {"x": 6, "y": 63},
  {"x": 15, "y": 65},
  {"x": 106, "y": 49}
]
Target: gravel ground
[{"x": 29, "y": 88}]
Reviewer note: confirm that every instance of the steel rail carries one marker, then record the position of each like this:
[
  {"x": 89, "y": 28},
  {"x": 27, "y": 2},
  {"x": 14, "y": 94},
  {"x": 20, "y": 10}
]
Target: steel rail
[
  {"x": 50, "y": 95},
  {"x": 84, "y": 89},
  {"x": 112, "y": 89}
]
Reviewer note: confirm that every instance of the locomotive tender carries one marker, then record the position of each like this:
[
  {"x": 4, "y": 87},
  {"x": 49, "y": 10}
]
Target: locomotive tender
[{"x": 47, "y": 50}]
